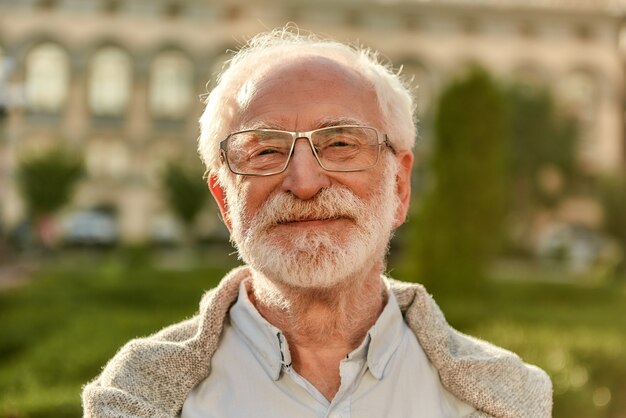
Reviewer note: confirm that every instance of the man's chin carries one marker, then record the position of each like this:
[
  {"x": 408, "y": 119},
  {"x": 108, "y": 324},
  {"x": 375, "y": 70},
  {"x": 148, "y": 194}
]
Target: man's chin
[
  {"x": 313, "y": 261},
  {"x": 319, "y": 281}
]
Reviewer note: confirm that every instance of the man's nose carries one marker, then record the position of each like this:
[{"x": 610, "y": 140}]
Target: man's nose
[{"x": 304, "y": 177}]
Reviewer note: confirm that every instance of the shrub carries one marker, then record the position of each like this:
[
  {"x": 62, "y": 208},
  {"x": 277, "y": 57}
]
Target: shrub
[{"x": 459, "y": 225}]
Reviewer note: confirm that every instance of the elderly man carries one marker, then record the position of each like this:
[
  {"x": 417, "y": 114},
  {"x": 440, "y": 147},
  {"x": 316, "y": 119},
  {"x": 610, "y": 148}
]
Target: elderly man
[{"x": 308, "y": 148}]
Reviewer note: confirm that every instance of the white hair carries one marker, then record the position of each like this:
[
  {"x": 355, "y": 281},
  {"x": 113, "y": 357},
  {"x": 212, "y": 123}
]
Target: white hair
[{"x": 268, "y": 50}]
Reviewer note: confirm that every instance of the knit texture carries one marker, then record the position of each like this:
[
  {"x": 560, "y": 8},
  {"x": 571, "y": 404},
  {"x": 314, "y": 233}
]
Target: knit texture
[{"x": 151, "y": 377}]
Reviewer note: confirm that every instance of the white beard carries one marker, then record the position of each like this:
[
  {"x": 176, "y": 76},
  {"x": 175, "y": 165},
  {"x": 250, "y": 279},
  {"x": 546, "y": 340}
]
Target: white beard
[{"x": 317, "y": 258}]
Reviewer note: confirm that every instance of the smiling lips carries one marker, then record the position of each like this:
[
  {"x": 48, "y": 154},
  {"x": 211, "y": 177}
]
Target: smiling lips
[{"x": 309, "y": 221}]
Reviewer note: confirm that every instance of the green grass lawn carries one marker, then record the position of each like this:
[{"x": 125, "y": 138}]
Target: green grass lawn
[
  {"x": 577, "y": 333},
  {"x": 58, "y": 331}
]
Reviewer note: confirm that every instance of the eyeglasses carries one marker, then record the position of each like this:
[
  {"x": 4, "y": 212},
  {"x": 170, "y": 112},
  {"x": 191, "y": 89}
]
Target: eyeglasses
[{"x": 265, "y": 152}]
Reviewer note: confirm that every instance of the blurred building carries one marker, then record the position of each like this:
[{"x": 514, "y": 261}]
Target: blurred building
[{"x": 121, "y": 80}]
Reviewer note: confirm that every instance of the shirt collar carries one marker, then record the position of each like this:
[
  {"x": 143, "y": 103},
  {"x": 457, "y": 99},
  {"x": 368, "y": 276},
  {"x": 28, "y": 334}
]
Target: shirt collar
[
  {"x": 385, "y": 336},
  {"x": 266, "y": 341},
  {"x": 270, "y": 347}
]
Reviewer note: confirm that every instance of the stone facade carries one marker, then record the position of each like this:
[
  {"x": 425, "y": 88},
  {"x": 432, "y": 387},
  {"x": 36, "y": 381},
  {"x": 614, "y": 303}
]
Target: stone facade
[{"x": 127, "y": 129}]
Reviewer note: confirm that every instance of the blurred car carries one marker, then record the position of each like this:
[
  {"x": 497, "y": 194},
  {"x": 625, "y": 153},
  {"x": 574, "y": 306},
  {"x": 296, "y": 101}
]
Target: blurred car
[
  {"x": 576, "y": 246},
  {"x": 90, "y": 228}
]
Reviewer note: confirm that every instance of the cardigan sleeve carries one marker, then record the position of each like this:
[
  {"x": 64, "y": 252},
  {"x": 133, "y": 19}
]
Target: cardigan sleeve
[
  {"x": 151, "y": 377},
  {"x": 148, "y": 377}
]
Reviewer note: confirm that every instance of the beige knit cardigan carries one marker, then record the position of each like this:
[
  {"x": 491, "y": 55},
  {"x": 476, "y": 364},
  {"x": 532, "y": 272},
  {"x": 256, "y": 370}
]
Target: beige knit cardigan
[{"x": 151, "y": 377}]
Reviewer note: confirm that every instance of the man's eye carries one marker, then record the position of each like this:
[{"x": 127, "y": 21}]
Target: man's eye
[
  {"x": 340, "y": 144},
  {"x": 266, "y": 151}
]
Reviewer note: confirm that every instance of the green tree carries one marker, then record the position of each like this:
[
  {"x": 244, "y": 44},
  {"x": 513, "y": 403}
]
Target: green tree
[
  {"x": 186, "y": 193},
  {"x": 46, "y": 182},
  {"x": 540, "y": 138},
  {"x": 541, "y": 163},
  {"x": 458, "y": 229},
  {"x": 613, "y": 197}
]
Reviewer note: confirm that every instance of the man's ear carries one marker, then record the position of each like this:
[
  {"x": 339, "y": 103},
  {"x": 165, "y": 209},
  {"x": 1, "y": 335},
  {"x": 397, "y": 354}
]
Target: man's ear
[
  {"x": 220, "y": 197},
  {"x": 403, "y": 185}
]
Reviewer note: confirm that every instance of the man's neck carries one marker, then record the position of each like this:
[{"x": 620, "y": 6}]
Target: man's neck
[{"x": 322, "y": 326}]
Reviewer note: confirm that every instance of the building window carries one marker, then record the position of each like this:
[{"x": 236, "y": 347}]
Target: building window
[
  {"x": 107, "y": 158},
  {"x": 171, "y": 85},
  {"x": 527, "y": 30},
  {"x": 47, "y": 4},
  {"x": 412, "y": 23},
  {"x": 234, "y": 12},
  {"x": 584, "y": 33},
  {"x": 173, "y": 10},
  {"x": 111, "y": 6},
  {"x": 109, "y": 82},
  {"x": 46, "y": 78},
  {"x": 470, "y": 26},
  {"x": 353, "y": 18}
]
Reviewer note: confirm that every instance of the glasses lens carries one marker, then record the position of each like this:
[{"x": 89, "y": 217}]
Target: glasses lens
[
  {"x": 258, "y": 151},
  {"x": 345, "y": 148}
]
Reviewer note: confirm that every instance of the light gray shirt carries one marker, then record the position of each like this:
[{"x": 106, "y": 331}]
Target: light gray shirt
[{"x": 388, "y": 375}]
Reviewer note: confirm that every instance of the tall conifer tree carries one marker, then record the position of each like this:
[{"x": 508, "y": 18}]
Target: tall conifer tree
[{"x": 460, "y": 224}]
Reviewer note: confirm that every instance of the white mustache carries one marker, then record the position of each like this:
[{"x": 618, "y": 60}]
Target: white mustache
[{"x": 330, "y": 203}]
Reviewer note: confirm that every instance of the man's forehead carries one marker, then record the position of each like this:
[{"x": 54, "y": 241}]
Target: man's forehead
[
  {"x": 296, "y": 71},
  {"x": 280, "y": 68},
  {"x": 305, "y": 77}
]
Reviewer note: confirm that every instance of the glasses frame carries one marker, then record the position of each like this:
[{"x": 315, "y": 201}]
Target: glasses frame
[{"x": 299, "y": 135}]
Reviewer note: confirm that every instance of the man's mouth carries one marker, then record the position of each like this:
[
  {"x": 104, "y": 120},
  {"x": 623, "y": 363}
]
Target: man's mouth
[{"x": 309, "y": 220}]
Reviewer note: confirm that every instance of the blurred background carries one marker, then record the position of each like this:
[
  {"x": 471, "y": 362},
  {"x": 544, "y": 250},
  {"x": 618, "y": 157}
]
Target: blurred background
[{"x": 518, "y": 222}]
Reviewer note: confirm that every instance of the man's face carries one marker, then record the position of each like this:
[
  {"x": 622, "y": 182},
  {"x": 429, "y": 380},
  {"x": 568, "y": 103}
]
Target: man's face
[{"x": 307, "y": 226}]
